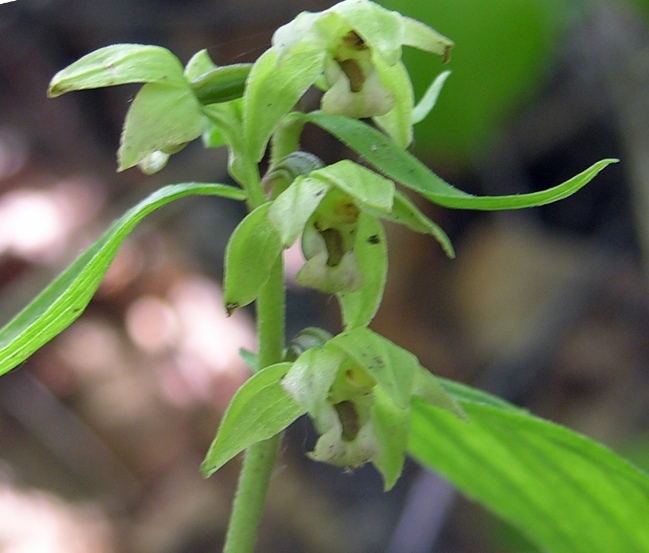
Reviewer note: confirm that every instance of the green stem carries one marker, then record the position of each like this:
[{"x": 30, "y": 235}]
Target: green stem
[{"x": 260, "y": 458}]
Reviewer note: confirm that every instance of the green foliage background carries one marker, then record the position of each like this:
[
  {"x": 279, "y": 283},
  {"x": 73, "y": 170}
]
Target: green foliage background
[{"x": 502, "y": 54}]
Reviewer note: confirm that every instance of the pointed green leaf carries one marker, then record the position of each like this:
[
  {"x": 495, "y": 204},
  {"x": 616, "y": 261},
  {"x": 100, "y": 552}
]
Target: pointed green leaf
[
  {"x": 259, "y": 410},
  {"x": 431, "y": 390},
  {"x": 462, "y": 393},
  {"x": 404, "y": 168},
  {"x": 253, "y": 249},
  {"x": 358, "y": 308},
  {"x": 66, "y": 297},
  {"x": 161, "y": 118},
  {"x": 367, "y": 187},
  {"x": 565, "y": 492},
  {"x": 429, "y": 99},
  {"x": 293, "y": 207},
  {"x": 118, "y": 64},
  {"x": 274, "y": 88}
]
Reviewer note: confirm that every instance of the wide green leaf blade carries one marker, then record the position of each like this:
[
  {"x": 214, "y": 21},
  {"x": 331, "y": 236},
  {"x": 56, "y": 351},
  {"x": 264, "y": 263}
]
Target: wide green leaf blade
[
  {"x": 358, "y": 308},
  {"x": 564, "y": 491},
  {"x": 66, "y": 297},
  {"x": 118, "y": 64},
  {"x": 161, "y": 118},
  {"x": 404, "y": 168},
  {"x": 253, "y": 249},
  {"x": 259, "y": 410}
]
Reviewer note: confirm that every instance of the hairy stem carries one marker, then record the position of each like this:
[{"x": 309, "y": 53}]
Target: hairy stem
[{"x": 259, "y": 458}]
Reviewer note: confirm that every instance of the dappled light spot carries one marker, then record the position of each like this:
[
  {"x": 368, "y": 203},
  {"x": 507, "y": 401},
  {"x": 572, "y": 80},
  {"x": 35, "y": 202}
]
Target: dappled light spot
[
  {"x": 35, "y": 522},
  {"x": 36, "y": 224},
  {"x": 152, "y": 324},
  {"x": 207, "y": 364}
]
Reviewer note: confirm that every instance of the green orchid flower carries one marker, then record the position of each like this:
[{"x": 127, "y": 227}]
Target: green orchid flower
[
  {"x": 328, "y": 242},
  {"x": 356, "y": 46},
  {"x": 340, "y": 399}
]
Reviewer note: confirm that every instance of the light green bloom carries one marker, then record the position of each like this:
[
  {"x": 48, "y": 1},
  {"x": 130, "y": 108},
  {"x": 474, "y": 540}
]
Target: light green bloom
[
  {"x": 358, "y": 44},
  {"x": 328, "y": 242}
]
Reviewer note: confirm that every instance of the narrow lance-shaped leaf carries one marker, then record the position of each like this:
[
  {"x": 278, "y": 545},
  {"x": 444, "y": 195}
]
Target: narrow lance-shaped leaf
[
  {"x": 66, "y": 297},
  {"x": 118, "y": 64},
  {"x": 404, "y": 168},
  {"x": 567, "y": 493},
  {"x": 259, "y": 410}
]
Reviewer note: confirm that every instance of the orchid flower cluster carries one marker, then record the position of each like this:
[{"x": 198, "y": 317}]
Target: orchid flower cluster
[{"x": 356, "y": 386}]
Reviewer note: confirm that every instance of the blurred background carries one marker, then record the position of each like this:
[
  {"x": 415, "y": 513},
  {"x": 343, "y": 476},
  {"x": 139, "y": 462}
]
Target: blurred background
[{"x": 102, "y": 431}]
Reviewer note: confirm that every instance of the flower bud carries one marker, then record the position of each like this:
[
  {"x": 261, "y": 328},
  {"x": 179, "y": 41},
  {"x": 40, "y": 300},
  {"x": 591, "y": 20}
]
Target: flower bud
[{"x": 221, "y": 84}]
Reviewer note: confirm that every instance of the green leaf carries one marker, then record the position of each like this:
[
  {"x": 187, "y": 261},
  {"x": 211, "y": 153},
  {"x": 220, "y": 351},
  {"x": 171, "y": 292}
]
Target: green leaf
[
  {"x": 118, "y": 64},
  {"x": 253, "y": 249},
  {"x": 367, "y": 187},
  {"x": 463, "y": 393},
  {"x": 358, "y": 308},
  {"x": 259, "y": 410},
  {"x": 292, "y": 208},
  {"x": 66, "y": 297},
  {"x": 429, "y": 99},
  {"x": 274, "y": 88},
  {"x": 431, "y": 390},
  {"x": 161, "y": 118},
  {"x": 564, "y": 491},
  {"x": 404, "y": 168}
]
